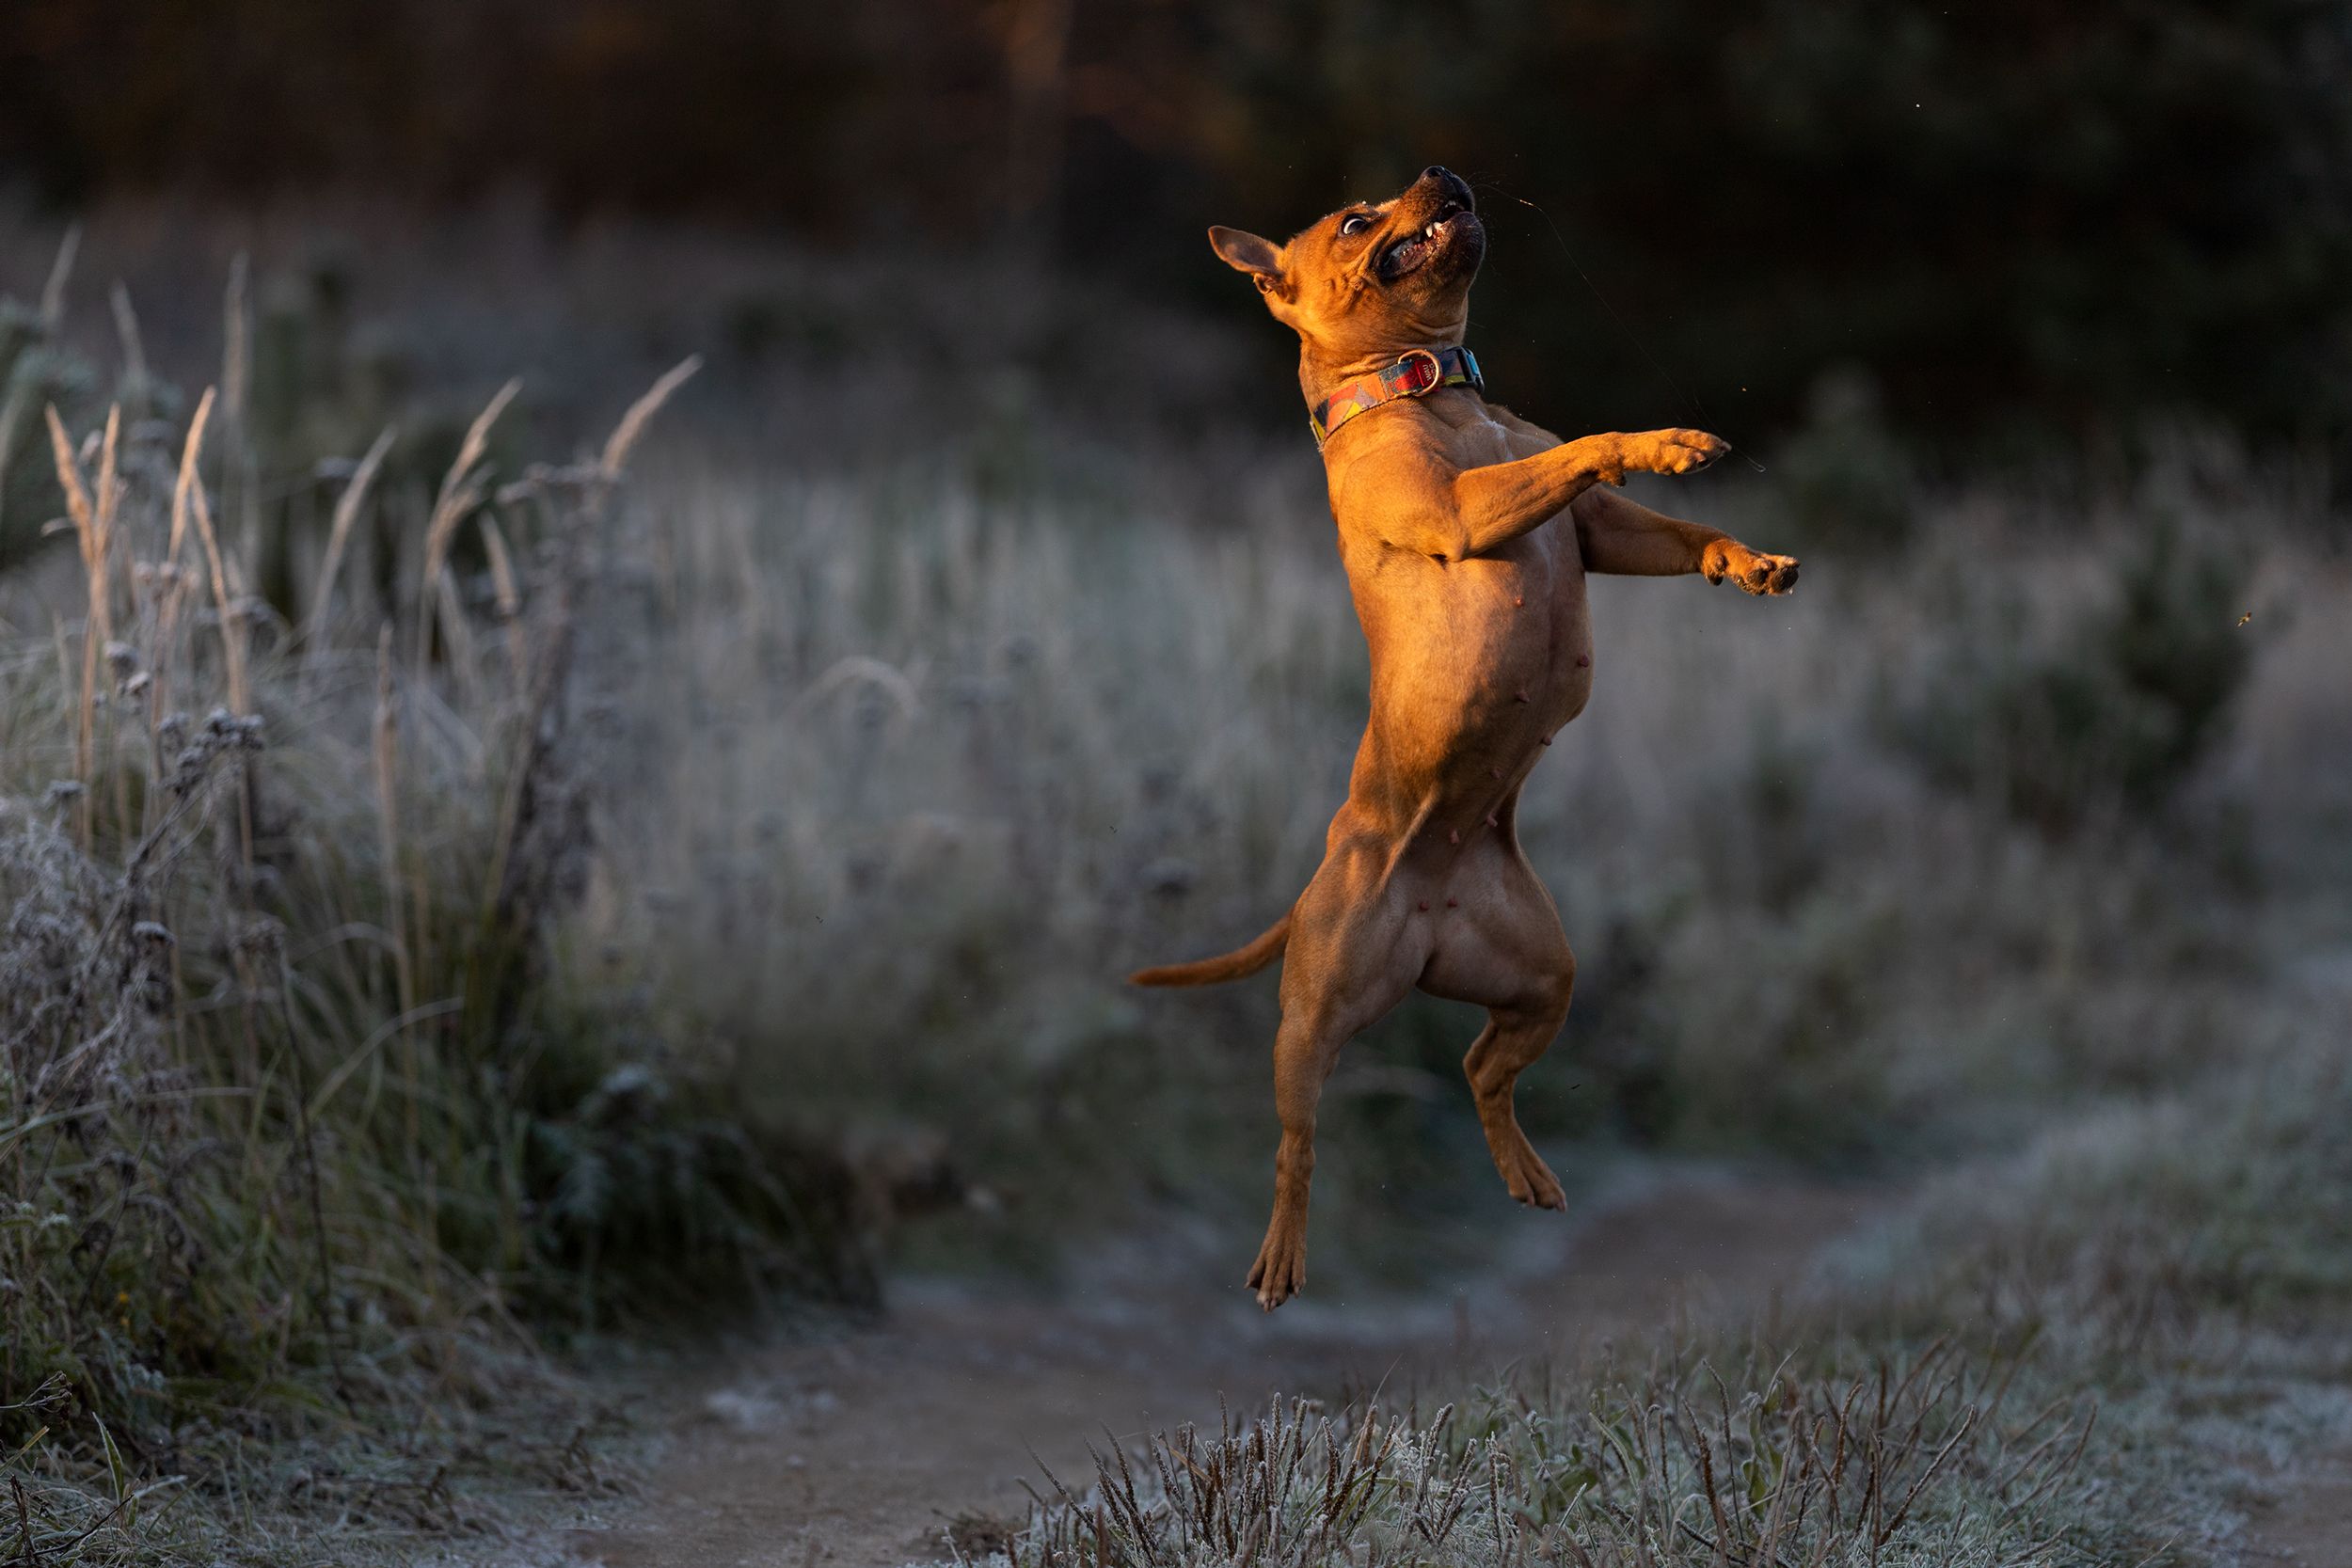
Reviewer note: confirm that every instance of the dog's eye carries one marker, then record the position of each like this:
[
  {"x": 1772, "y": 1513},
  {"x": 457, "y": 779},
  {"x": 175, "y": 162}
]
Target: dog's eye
[{"x": 1356, "y": 223}]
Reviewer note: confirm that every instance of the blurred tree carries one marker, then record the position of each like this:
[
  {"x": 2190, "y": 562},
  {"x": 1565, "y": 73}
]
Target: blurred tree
[{"x": 2010, "y": 215}]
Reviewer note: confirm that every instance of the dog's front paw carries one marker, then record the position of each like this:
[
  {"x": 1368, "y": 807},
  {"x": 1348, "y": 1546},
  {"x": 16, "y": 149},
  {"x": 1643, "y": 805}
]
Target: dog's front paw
[
  {"x": 1672, "y": 451},
  {"x": 1753, "y": 570}
]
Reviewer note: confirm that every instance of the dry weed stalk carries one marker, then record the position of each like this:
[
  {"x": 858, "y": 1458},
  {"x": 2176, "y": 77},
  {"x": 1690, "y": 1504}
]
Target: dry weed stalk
[
  {"x": 384, "y": 737},
  {"x": 60, "y": 273},
  {"x": 509, "y": 600},
  {"x": 237, "y": 343},
  {"x": 93, "y": 524},
  {"x": 127, "y": 330},
  {"x": 52, "y": 314},
  {"x": 224, "y": 603},
  {"x": 625, "y": 435},
  {"x": 461, "y": 492},
  {"x": 347, "y": 507},
  {"x": 176, "y": 578},
  {"x": 117, "y": 658}
]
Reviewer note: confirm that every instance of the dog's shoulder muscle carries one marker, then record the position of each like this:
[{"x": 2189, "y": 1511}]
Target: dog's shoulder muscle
[
  {"x": 1404, "y": 455},
  {"x": 1391, "y": 480}
]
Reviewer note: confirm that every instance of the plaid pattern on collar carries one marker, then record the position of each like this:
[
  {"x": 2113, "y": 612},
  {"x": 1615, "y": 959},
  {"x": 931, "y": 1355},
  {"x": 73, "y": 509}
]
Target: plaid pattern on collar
[{"x": 1416, "y": 372}]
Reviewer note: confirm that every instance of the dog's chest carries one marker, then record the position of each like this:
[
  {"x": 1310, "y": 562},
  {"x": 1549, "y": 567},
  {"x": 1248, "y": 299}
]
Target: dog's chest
[{"x": 1495, "y": 645}]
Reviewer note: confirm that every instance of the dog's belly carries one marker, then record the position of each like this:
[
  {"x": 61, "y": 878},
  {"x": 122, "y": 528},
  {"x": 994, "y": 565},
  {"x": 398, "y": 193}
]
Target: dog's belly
[{"x": 1474, "y": 667}]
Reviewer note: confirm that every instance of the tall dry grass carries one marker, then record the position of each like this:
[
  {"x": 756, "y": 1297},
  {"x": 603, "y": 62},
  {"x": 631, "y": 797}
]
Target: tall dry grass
[{"x": 297, "y": 1136}]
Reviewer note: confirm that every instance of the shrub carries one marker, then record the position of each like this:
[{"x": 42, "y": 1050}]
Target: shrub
[
  {"x": 2109, "y": 713},
  {"x": 1845, "y": 476}
]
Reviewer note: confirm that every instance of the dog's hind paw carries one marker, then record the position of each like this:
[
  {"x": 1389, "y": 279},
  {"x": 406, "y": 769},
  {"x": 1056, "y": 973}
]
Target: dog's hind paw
[
  {"x": 1535, "y": 1186},
  {"x": 1280, "y": 1271},
  {"x": 1524, "y": 1172}
]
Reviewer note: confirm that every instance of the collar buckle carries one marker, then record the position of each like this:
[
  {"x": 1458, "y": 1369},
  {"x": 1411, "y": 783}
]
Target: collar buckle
[
  {"x": 1435, "y": 379},
  {"x": 1414, "y": 373}
]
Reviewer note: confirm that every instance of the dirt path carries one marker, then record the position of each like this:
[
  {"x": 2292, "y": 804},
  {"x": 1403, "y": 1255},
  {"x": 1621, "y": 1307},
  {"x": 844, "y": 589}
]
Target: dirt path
[
  {"x": 2311, "y": 1524},
  {"x": 856, "y": 1453}
]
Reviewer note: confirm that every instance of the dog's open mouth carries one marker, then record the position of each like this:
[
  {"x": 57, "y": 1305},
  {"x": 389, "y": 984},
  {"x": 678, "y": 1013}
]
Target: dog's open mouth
[{"x": 1412, "y": 253}]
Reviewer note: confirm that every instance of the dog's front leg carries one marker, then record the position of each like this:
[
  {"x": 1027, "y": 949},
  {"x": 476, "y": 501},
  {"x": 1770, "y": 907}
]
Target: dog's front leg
[
  {"x": 1496, "y": 504},
  {"x": 1618, "y": 537}
]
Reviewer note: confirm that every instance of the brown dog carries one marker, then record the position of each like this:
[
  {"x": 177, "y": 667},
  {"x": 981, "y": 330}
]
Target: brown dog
[{"x": 1467, "y": 533}]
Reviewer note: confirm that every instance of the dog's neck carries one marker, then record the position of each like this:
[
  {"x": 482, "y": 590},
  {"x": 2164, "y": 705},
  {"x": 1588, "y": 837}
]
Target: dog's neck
[
  {"x": 1370, "y": 381},
  {"x": 1323, "y": 368}
]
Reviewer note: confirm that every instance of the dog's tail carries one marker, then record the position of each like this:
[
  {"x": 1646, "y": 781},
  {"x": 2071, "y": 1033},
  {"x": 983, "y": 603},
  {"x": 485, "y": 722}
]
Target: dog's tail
[{"x": 1225, "y": 966}]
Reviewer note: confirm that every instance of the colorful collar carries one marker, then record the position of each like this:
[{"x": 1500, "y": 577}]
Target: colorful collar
[{"x": 1416, "y": 371}]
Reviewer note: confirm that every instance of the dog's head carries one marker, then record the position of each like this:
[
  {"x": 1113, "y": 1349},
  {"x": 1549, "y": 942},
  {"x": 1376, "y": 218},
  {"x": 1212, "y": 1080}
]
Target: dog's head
[{"x": 1371, "y": 281}]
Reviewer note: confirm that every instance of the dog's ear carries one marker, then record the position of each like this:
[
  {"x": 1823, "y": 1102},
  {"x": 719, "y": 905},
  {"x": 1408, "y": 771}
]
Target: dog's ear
[{"x": 1246, "y": 252}]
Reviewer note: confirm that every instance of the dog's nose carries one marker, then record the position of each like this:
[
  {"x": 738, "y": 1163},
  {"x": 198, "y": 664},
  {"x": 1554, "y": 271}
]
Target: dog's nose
[{"x": 1457, "y": 189}]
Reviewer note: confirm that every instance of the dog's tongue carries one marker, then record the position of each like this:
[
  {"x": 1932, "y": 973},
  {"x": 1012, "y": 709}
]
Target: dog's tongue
[{"x": 1404, "y": 258}]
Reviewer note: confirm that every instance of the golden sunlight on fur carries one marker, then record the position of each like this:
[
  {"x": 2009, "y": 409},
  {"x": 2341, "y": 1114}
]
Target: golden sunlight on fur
[{"x": 1472, "y": 602}]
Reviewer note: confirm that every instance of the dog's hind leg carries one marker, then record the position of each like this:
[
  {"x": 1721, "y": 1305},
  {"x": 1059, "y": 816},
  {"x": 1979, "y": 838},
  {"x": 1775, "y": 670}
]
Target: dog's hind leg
[
  {"x": 1353, "y": 955},
  {"x": 1503, "y": 948},
  {"x": 1510, "y": 1041}
]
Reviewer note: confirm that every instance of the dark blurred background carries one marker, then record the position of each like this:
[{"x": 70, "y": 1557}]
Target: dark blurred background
[{"x": 2011, "y": 226}]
